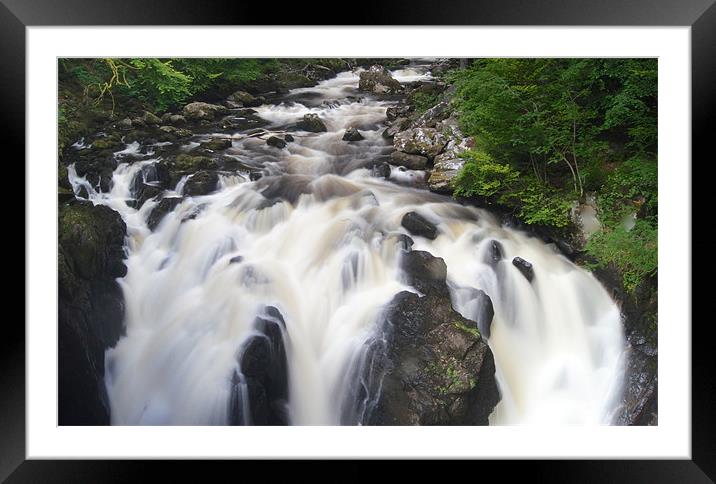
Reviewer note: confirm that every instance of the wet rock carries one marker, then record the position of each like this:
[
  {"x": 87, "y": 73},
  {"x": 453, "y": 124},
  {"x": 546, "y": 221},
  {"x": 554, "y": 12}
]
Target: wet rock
[
  {"x": 405, "y": 242},
  {"x": 352, "y": 134},
  {"x": 216, "y": 144},
  {"x": 165, "y": 206},
  {"x": 411, "y": 162},
  {"x": 479, "y": 307},
  {"x": 276, "y": 142},
  {"x": 495, "y": 252},
  {"x": 378, "y": 80},
  {"x": 382, "y": 170},
  {"x": 192, "y": 163},
  {"x": 201, "y": 183},
  {"x": 237, "y": 259},
  {"x": 428, "y": 366},
  {"x": 288, "y": 138},
  {"x": 197, "y": 111},
  {"x": 424, "y": 272},
  {"x": 639, "y": 404},
  {"x": 311, "y": 123},
  {"x": 90, "y": 307},
  {"x": 420, "y": 141},
  {"x": 418, "y": 225},
  {"x": 524, "y": 267},
  {"x": 256, "y": 356},
  {"x": 265, "y": 370}
]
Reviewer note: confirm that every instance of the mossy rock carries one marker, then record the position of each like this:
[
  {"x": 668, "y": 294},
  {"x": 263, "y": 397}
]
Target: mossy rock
[
  {"x": 107, "y": 143},
  {"x": 216, "y": 144},
  {"x": 191, "y": 163},
  {"x": 92, "y": 239}
]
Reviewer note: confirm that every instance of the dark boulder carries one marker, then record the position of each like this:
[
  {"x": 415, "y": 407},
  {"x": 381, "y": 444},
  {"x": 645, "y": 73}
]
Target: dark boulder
[
  {"x": 191, "y": 163},
  {"x": 276, "y": 142},
  {"x": 428, "y": 365},
  {"x": 495, "y": 253},
  {"x": 524, "y": 267},
  {"x": 264, "y": 373},
  {"x": 418, "y": 225},
  {"x": 201, "y": 183},
  {"x": 165, "y": 206},
  {"x": 287, "y": 138},
  {"x": 311, "y": 123},
  {"x": 216, "y": 144},
  {"x": 382, "y": 170},
  {"x": 479, "y": 308},
  {"x": 90, "y": 307},
  {"x": 352, "y": 134}
]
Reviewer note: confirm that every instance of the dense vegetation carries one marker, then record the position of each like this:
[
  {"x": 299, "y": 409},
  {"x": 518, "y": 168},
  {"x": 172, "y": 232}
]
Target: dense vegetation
[
  {"x": 99, "y": 87},
  {"x": 548, "y": 131}
]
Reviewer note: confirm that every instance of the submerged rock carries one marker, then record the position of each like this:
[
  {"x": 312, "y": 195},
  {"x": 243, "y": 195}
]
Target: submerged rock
[
  {"x": 416, "y": 224},
  {"x": 429, "y": 366}
]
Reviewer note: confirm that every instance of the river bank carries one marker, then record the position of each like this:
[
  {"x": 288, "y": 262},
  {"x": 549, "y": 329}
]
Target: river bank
[{"x": 195, "y": 147}]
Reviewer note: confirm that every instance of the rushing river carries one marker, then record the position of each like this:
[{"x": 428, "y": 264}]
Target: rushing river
[{"x": 316, "y": 237}]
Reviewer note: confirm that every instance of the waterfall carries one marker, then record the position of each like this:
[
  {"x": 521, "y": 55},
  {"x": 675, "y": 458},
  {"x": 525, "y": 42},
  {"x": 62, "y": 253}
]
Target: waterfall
[{"x": 316, "y": 238}]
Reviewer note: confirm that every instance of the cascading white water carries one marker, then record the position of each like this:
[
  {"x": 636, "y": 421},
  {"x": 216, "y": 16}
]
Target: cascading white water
[{"x": 329, "y": 262}]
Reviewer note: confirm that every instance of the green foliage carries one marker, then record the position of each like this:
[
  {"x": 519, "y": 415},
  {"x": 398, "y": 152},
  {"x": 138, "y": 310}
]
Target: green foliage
[
  {"x": 538, "y": 205},
  {"x": 634, "y": 252},
  {"x": 161, "y": 84},
  {"x": 158, "y": 84},
  {"x": 551, "y": 116},
  {"x": 422, "y": 101},
  {"x": 629, "y": 191},
  {"x": 633, "y": 186},
  {"x": 534, "y": 203},
  {"x": 481, "y": 176}
]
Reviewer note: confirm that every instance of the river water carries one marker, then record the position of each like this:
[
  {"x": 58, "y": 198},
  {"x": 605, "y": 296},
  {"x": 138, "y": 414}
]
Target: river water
[{"x": 316, "y": 237}]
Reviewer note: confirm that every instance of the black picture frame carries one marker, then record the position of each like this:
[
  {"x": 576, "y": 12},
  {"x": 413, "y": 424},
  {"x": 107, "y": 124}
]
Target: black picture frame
[{"x": 700, "y": 15}]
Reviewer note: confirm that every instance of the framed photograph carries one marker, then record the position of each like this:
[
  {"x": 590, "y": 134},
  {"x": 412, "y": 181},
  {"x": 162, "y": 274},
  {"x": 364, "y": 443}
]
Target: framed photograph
[{"x": 427, "y": 233}]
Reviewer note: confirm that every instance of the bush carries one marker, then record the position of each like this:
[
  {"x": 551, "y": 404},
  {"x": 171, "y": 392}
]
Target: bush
[
  {"x": 633, "y": 252},
  {"x": 481, "y": 176}
]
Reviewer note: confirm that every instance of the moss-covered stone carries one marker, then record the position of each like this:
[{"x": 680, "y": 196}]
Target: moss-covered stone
[{"x": 192, "y": 163}]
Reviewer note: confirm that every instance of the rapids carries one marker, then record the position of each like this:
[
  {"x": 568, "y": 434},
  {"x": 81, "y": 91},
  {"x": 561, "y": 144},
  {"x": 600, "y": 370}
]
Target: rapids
[{"x": 316, "y": 237}]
